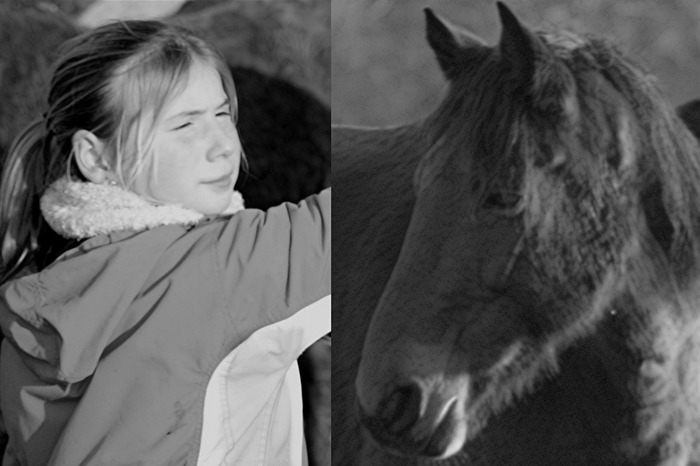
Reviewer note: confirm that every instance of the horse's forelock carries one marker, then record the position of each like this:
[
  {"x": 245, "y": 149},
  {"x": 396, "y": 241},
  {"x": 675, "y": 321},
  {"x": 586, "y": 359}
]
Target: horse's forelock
[{"x": 483, "y": 114}]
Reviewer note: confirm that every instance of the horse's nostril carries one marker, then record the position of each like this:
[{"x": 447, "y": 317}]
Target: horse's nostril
[{"x": 401, "y": 409}]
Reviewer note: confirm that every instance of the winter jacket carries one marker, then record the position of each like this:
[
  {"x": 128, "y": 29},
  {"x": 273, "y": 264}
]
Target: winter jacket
[{"x": 110, "y": 351}]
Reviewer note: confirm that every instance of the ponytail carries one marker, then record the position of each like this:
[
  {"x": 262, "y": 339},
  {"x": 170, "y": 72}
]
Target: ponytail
[{"x": 27, "y": 242}]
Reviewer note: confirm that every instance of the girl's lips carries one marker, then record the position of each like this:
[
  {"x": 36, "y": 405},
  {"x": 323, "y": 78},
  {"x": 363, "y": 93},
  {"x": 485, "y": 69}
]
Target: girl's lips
[
  {"x": 223, "y": 183},
  {"x": 221, "y": 180}
]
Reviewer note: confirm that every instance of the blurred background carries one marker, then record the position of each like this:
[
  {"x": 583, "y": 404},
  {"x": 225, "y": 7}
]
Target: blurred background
[
  {"x": 384, "y": 73},
  {"x": 279, "y": 55}
]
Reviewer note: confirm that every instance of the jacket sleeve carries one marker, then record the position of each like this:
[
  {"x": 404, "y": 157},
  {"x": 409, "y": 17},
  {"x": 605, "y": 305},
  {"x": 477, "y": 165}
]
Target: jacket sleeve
[{"x": 274, "y": 263}]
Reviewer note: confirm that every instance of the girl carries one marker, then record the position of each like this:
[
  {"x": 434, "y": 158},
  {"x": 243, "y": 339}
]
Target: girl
[{"x": 144, "y": 324}]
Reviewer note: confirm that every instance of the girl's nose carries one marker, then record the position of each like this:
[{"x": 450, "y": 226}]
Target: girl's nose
[{"x": 224, "y": 143}]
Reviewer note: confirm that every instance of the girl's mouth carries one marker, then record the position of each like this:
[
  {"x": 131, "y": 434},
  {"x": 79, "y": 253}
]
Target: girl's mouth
[{"x": 222, "y": 182}]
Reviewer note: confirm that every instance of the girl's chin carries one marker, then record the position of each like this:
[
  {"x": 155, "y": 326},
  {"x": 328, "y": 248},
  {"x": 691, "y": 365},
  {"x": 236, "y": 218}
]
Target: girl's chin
[{"x": 215, "y": 206}]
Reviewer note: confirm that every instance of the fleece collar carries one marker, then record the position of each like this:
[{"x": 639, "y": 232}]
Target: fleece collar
[{"x": 77, "y": 209}]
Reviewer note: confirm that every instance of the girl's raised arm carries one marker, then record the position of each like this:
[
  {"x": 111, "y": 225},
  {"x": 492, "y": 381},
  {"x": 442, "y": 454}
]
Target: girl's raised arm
[{"x": 275, "y": 263}]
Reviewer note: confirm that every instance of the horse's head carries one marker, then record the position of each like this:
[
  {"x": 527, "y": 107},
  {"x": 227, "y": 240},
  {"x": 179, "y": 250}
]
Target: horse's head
[{"x": 558, "y": 184}]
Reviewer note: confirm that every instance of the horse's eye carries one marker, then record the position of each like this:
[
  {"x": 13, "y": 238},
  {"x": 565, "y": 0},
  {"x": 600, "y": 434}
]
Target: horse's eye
[{"x": 508, "y": 202}]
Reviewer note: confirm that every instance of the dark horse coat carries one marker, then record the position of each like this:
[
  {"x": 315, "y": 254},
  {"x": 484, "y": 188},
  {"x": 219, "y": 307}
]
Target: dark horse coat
[{"x": 515, "y": 276}]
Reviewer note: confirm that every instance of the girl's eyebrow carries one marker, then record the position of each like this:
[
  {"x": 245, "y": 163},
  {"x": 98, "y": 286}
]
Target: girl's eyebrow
[{"x": 188, "y": 113}]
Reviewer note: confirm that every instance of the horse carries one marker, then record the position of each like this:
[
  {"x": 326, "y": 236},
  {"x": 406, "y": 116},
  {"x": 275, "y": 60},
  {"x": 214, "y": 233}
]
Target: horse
[{"x": 515, "y": 276}]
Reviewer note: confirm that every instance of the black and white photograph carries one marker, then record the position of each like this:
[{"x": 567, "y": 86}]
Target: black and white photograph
[
  {"x": 517, "y": 236},
  {"x": 512, "y": 275},
  {"x": 165, "y": 232}
]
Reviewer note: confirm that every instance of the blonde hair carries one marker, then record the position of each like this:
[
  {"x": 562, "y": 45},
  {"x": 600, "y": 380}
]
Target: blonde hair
[{"x": 113, "y": 81}]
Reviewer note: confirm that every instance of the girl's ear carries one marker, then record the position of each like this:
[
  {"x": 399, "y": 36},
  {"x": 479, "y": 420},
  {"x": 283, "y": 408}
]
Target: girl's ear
[{"x": 90, "y": 155}]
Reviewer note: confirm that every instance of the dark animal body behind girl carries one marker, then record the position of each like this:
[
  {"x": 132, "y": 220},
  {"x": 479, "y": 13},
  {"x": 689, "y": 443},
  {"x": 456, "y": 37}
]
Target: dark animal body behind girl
[{"x": 515, "y": 277}]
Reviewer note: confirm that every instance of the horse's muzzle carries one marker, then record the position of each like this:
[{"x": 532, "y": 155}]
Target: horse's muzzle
[{"x": 411, "y": 422}]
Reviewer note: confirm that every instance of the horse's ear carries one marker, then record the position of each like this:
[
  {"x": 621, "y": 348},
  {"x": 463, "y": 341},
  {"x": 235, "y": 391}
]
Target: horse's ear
[
  {"x": 544, "y": 75},
  {"x": 454, "y": 48}
]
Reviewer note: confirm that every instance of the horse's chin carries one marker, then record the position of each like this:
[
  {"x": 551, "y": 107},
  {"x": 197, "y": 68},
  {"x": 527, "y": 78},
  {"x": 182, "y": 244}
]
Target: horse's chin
[{"x": 447, "y": 440}]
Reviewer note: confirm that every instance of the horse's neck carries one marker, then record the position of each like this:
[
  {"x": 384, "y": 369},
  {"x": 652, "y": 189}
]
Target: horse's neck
[
  {"x": 633, "y": 385},
  {"x": 608, "y": 404},
  {"x": 662, "y": 339},
  {"x": 649, "y": 357}
]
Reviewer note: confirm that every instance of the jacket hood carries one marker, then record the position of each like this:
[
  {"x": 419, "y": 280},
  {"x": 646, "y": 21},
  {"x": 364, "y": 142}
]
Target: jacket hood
[{"x": 77, "y": 209}]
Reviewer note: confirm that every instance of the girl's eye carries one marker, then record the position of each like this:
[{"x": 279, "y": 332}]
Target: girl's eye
[
  {"x": 227, "y": 113},
  {"x": 182, "y": 126}
]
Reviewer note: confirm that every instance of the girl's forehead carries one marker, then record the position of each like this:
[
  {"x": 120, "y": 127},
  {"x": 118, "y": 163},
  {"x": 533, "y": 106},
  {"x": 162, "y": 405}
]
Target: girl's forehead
[{"x": 202, "y": 89}]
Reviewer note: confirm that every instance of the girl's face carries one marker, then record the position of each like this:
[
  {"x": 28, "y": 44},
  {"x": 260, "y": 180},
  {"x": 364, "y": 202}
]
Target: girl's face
[{"x": 197, "y": 147}]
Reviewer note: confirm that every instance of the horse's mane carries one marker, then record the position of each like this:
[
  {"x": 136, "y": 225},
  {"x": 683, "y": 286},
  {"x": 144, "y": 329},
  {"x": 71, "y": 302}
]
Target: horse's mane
[{"x": 669, "y": 158}]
